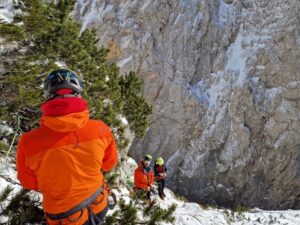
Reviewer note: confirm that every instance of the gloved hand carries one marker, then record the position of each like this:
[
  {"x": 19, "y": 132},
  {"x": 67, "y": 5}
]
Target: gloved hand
[
  {"x": 152, "y": 189},
  {"x": 162, "y": 175}
]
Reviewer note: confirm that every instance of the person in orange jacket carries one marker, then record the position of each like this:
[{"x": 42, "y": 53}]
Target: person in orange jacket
[
  {"x": 144, "y": 177},
  {"x": 66, "y": 156}
]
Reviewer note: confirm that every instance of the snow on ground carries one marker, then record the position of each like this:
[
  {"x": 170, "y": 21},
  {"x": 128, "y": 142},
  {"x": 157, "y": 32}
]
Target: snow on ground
[
  {"x": 123, "y": 119},
  {"x": 5, "y": 129},
  {"x": 194, "y": 214},
  {"x": 6, "y": 10},
  {"x": 186, "y": 213},
  {"x": 7, "y": 171}
]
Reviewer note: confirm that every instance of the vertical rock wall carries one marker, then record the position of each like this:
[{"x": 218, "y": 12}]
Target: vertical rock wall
[{"x": 223, "y": 79}]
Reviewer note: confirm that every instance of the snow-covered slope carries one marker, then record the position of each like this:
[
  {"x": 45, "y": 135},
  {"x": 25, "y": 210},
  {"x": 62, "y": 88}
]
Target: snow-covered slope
[
  {"x": 6, "y": 10},
  {"x": 8, "y": 171},
  {"x": 223, "y": 79},
  {"x": 191, "y": 213},
  {"x": 186, "y": 213},
  {"x": 194, "y": 214}
]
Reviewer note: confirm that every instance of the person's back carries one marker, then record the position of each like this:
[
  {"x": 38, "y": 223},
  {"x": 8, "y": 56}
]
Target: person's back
[{"x": 64, "y": 157}]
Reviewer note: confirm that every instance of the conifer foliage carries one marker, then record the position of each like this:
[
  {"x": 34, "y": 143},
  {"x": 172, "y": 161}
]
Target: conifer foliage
[
  {"x": 5, "y": 193},
  {"x": 44, "y": 34},
  {"x": 23, "y": 210},
  {"x": 135, "y": 108},
  {"x": 128, "y": 213}
]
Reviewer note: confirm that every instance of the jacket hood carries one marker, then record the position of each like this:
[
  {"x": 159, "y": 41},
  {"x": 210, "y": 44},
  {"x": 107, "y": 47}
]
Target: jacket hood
[
  {"x": 62, "y": 105},
  {"x": 143, "y": 168},
  {"x": 66, "y": 123},
  {"x": 141, "y": 164}
]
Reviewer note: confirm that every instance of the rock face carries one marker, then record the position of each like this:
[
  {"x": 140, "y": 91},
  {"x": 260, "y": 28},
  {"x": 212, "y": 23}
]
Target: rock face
[{"x": 223, "y": 79}]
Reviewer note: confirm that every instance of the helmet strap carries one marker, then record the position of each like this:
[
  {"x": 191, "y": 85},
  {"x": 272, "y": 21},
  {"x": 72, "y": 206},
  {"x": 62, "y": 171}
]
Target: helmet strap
[
  {"x": 73, "y": 95},
  {"x": 69, "y": 95}
]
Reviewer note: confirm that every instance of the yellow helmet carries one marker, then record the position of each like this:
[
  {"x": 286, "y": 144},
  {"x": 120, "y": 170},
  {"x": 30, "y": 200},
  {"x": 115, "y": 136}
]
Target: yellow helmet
[
  {"x": 159, "y": 161},
  {"x": 148, "y": 157}
]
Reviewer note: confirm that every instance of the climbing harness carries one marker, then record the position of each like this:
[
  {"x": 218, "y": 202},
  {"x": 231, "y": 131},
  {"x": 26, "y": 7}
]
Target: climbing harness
[
  {"x": 112, "y": 200},
  {"x": 86, "y": 204}
]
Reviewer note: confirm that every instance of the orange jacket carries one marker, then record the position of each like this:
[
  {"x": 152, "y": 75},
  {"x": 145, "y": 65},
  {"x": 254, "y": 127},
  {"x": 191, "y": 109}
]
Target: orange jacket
[
  {"x": 64, "y": 159},
  {"x": 142, "y": 179}
]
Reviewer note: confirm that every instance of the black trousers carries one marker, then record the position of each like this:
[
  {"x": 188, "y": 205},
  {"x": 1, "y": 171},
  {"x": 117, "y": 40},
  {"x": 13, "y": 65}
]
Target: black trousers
[
  {"x": 148, "y": 196},
  {"x": 161, "y": 186},
  {"x": 141, "y": 192}
]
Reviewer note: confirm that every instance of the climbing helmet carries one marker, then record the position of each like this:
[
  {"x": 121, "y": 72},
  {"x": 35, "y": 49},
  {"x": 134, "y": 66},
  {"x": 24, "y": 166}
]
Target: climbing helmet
[
  {"x": 159, "y": 161},
  {"x": 62, "y": 79}
]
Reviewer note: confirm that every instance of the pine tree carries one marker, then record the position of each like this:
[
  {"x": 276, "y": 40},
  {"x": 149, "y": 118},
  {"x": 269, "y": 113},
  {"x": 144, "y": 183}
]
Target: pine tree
[
  {"x": 152, "y": 213},
  {"x": 157, "y": 214},
  {"x": 5, "y": 193},
  {"x": 135, "y": 108},
  {"x": 46, "y": 34},
  {"x": 127, "y": 214},
  {"x": 3, "y": 148},
  {"x": 22, "y": 210},
  {"x": 42, "y": 35}
]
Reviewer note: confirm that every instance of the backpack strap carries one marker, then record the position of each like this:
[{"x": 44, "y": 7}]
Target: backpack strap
[{"x": 83, "y": 205}]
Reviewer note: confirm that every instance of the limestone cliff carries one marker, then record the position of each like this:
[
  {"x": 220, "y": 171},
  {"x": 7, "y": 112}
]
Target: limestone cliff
[{"x": 223, "y": 79}]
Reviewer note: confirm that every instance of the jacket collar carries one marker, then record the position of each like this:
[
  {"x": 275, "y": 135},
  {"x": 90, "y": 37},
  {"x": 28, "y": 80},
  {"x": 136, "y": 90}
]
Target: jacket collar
[
  {"x": 66, "y": 123},
  {"x": 61, "y": 106}
]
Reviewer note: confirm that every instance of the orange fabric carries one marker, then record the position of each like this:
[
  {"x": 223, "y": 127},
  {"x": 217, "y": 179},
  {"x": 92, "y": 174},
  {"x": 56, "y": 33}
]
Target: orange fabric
[
  {"x": 67, "y": 122},
  {"x": 81, "y": 219},
  {"x": 142, "y": 179},
  {"x": 63, "y": 159}
]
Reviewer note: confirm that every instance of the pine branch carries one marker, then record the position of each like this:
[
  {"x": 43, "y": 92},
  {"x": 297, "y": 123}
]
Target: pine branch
[
  {"x": 47, "y": 34},
  {"x": 5, "y": 193}
]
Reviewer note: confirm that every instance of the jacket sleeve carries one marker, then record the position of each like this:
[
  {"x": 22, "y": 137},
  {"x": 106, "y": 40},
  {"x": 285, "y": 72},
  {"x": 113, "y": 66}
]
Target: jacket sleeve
[
  {"x": 110, "y": 158},
  {"x": 139, "y": 180},
  {"x": 24, "y": 174},
  {"x": 136, "y": 178}
]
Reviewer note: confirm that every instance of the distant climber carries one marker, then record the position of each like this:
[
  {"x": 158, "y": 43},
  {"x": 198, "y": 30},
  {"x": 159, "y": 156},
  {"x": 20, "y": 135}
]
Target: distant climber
[
  {"x": 144, "y": 177},
  {"x": 160, "y": 173},
  {"x": 65, "y": 156}
]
